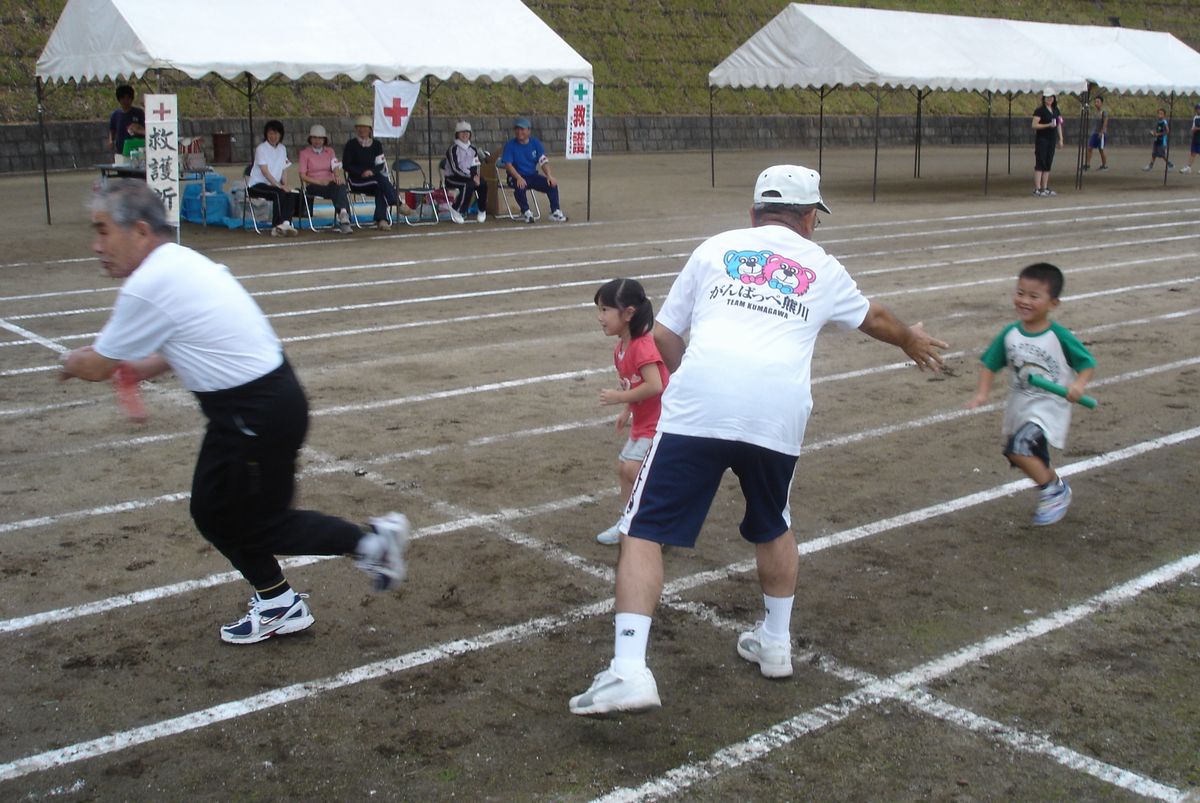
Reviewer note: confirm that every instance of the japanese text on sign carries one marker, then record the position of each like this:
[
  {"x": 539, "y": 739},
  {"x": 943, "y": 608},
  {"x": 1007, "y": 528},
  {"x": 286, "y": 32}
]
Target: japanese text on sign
[
  {"x": 162, "y": 152},
  {"x": 580, "y": 103}
]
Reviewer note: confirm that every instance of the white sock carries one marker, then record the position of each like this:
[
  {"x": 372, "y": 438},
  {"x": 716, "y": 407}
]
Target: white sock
[
  {"x": 284, "y": 600},
  {"x": 631, "y": 633},
  {"x": 778, "y": 624}
]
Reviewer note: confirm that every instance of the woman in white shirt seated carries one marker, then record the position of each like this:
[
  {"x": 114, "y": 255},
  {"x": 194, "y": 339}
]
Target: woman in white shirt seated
[{"x": 268, "y": 179}]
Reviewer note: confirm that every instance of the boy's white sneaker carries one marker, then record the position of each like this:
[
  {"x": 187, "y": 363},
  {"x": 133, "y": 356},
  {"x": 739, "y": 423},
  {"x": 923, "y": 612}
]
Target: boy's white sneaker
[
  {"x": 774, "y": 658},
  {"x": 1185, "y": 169},
  {"x": 610, "y": 692},
  {"x": 558, "y": 217},
  {"x": 1052, "y": 504},
  {"x": 456, "y": 216}
]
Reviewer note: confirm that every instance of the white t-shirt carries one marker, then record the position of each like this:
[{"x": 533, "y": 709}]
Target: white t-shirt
[
  {"x": 275, "y": 159},
  {"x": 192, "y": 311},
  {"x": 753, "y": 301}
]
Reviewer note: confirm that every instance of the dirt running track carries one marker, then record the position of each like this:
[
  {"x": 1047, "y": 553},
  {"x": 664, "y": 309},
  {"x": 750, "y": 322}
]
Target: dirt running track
[{"x": 946, "y": 649}]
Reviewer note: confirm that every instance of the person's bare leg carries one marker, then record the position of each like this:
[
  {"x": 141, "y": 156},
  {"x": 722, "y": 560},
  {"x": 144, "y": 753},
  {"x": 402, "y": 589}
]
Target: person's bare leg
[
  {"x": 778, "y": 565},
  {"x": 1034, "y": 468},
  {"x": 639, "y": 576}
]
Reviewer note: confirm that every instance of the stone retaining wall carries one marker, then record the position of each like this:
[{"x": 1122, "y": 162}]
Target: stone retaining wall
[{"x": 73, "y": 145}]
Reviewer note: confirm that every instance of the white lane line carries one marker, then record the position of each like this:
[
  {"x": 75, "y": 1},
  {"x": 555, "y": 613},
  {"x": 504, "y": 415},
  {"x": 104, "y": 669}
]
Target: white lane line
[
  {"x": 926, "y": 703},
  {"x": 32, "y": 336},
  {"x": 199, "y": 719},
  {"x": 784, "y": 733}
]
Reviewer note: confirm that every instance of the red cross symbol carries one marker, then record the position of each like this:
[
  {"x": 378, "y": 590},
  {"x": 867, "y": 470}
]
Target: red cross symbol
[
  {"x": 161, "y": 111},
  {"x": 396, "y": 112}
]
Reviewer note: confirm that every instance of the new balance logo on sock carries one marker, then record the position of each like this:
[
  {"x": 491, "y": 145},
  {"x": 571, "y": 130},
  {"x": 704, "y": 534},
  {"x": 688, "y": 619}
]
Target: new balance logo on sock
[{"x": 627, "y": 633}]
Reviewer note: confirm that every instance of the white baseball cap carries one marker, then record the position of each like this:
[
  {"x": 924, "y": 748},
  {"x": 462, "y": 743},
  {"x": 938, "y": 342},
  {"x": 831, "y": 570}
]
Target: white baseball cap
[
  {"x": 462, "y": 126},
  {"x": 789, "y": 184},
  {"x": 1049, "y": 92}
]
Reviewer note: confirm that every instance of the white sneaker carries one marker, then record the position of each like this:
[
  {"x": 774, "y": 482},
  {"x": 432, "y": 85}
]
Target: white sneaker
[
  {"x": 267, "y": 618},
  {"x": 1052, "y": 504},
  {"x": 279, "y": 231},
  {"x": 558, "y": 217},
  {"x": 481, "y": 217},
  {"x": 383, "y": 225},
  {"x": 1148, "y": 168},
  {"x": 456, "y": 216},
  {"x": 345, "y": 228},
  {"x": 381, "y": 551},
  {"x": 1185, "y": 169},
  {"x": 610, "y": 536},
  {"x": 344, "y": 217},
  {"x": 288, "y": 229},
  {"x": 528, "y": 216},
  {"x": 610, "y": 692},
  {"x": 774, "y": 658}
]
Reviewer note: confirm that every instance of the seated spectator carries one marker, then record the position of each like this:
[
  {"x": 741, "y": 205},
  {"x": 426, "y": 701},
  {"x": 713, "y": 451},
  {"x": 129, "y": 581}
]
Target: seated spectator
[
  {"x": 522, "y": 157},
  {"x": 318, "y": 171},
  {"x": 268, "y": 179},
  {"x": 461, "y": 172},
  {"x": 127, "y": 121},
  {"x": 366, "y": 169}
]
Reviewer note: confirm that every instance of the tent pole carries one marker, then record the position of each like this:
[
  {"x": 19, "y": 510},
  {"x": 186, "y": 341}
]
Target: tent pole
[
  {"x": 428, "y": 130},
  {"x": 1010, "y": 133},
  {"x": 250, "y": 116},
  {"x": 1084, "y": 122},
  {"x": 1167, "y": 160},
  {"x": 41, "y": 110},
  {"x": 712, "y": 139},
  {"x": 821, "y": 133},
  {"x": 987, "y": 138},
  {"x": 917, "y": 138},
  {"x": 875, "y": 173}
]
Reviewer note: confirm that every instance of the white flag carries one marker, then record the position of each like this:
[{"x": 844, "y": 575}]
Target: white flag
[{"x": 394, "y": 104}]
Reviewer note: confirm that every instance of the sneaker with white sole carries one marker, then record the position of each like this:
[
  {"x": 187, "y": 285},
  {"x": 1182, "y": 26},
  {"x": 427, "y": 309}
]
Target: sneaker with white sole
[
  {"x": 610, "y": 536},
  {"x": 481, "y": 217},
  {"x": 1185, "y": 169},
  {"x": 266, "y": 618},
  {"x": 558, "y": 217},
  {"x": 774, "y": 658},
  {"x": 345, "y": 228},
  {"x": 1052, "y": 504},
  {"x": 456, "y": 216},
  {"x": 381, "y": 551},
  {"x": 1048, "y": 193},
  {"x": 1102, "y": 167},
  {"x": 383, "y": 225},
  {"x": 1148, "y": 168},
  {"x": 527, "y": 216},
  {"x": 610, "y": 692}
]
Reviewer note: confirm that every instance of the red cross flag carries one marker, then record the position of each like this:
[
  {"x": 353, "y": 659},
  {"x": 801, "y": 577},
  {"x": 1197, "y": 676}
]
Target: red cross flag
[{"x": 394, "y": 104}]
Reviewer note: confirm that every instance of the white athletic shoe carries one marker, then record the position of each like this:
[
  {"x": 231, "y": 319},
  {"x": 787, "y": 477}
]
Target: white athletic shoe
[
  {"x": 610, "y": 536},
  {"x": 383, "y": 225},
  {"x": 774, "y": 658},
  {"x": 481, "y": 217},
  {"x": 558, "y": 217},
  {"x": 527, "y": 216},
  {"x": 610, "y": 692},
  {"x": 1185, "y": 169},
  {"x": 264, "y": 621},
  {"x": 381, "y": 551},
  {"x": 1052, "y": 504},
  {"x": 456, "y": 216}
]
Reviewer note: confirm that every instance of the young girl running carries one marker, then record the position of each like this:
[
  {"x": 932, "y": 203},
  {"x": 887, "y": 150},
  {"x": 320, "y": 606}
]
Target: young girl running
[{"x": 626, "y": 314}]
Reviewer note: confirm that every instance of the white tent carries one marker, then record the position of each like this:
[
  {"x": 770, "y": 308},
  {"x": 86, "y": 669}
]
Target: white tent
[
  {"x": 824, "y": 47},
  {"x": 411, "y": 39},
  {"x": 808, "y": 46}
]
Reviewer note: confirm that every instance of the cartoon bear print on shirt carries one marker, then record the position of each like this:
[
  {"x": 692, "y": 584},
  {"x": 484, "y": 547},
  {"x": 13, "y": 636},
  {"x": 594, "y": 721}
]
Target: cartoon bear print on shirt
[
  {"x": 787, "y": 276},
  {"x": 746, "y": 266}
]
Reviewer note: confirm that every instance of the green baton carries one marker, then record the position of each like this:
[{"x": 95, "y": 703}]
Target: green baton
[{"x": 1039, "y": 381}]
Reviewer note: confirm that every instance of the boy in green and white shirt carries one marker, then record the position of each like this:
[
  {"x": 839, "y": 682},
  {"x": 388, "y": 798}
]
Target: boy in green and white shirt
[{"x": 1033, "y": 417}]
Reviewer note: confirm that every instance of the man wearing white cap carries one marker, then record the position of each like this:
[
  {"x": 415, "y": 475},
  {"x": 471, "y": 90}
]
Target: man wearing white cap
[
  {"x": 751, "y": 302},
  {"x": 461, "y": 171},
  {"x": 319, "y": 172}
]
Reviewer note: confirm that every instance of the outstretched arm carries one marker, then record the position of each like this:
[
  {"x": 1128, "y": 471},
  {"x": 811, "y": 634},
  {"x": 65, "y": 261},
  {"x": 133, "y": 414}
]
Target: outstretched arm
[
  {"x": 86, "y": 363},
  {"x": 914, "y": 341}
]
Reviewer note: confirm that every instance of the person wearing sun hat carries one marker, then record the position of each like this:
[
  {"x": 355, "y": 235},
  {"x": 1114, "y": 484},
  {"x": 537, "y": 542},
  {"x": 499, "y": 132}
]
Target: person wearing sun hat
[
  {"x": 1048, "y": 133},
  {"x": 751, "y": 302},
  {"x": 366, "y": 168},
  {"x": 461, "y": 172},
  {"x": 319, "y": 174}
]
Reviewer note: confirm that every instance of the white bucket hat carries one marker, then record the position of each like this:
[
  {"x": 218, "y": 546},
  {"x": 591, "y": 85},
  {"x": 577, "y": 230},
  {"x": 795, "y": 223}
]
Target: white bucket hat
[
  {"x": 462, "y": 126},
  {"x": 318, "y": 130},
  {"x": 789, "y": 184}
]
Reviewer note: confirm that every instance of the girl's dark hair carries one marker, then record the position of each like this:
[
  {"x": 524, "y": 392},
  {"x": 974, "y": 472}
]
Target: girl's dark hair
[
  {"x": 622, "y": 293},
  {"x": 273, "y": 125}
]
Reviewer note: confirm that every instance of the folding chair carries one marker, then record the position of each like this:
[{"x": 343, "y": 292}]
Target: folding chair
[
  {"x": 310, "y": 202},
  {"x": 513, "y": 209},
  {"x": 424, "y": 194},
  {"x": 454, "y": 186},
  {"x": 246, "y": 199},
  {"x": 360, "y": 192}
]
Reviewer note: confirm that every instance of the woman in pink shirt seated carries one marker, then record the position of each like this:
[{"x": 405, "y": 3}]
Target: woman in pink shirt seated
[{"x": 319, "y": 171}]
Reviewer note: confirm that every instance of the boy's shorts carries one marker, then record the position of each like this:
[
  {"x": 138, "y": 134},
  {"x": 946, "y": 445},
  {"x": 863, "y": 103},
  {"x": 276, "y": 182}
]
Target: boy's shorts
[
  {"x": 1028, "y": 441},
  {"x": 1196, "y": 143},
  {"x": 1096, "y": 141},
  {"x": 1160, "y": 150},
  {"x": 635, "y": 450},
  {"x": 680, "y": 476}
]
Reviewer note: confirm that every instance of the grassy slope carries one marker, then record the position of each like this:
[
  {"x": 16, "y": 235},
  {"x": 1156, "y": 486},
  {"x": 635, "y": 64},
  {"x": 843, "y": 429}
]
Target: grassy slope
[{"x": 650, "y": 56}]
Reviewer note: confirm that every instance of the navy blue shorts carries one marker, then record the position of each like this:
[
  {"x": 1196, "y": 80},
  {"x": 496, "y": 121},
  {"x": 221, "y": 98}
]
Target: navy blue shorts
[
  {"x": 680, "y": 477},
  {"x": 1028, "y": 441}
]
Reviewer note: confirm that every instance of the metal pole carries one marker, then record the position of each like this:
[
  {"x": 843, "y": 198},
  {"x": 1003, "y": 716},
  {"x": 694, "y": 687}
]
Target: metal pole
[
  {"x": 712, "y": 140},
  {"x": 1167, "y": 144},
  {"x": 875, "y": 174},
  {"x": 987, "y": 159},
  {"x": 41, "y": 111},
  {"x": 429, "y": 133},
  {"x": 1084, "y": 123},
  {"x": 821, "y": 134},
  {"x": 917, "y": 138},
  {"x": 589, "y": 191},
  {"x": 1010, "y": 133}
]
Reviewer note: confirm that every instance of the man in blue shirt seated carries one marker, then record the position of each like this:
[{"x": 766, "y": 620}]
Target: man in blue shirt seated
[{"x": 523, "y": 155}]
